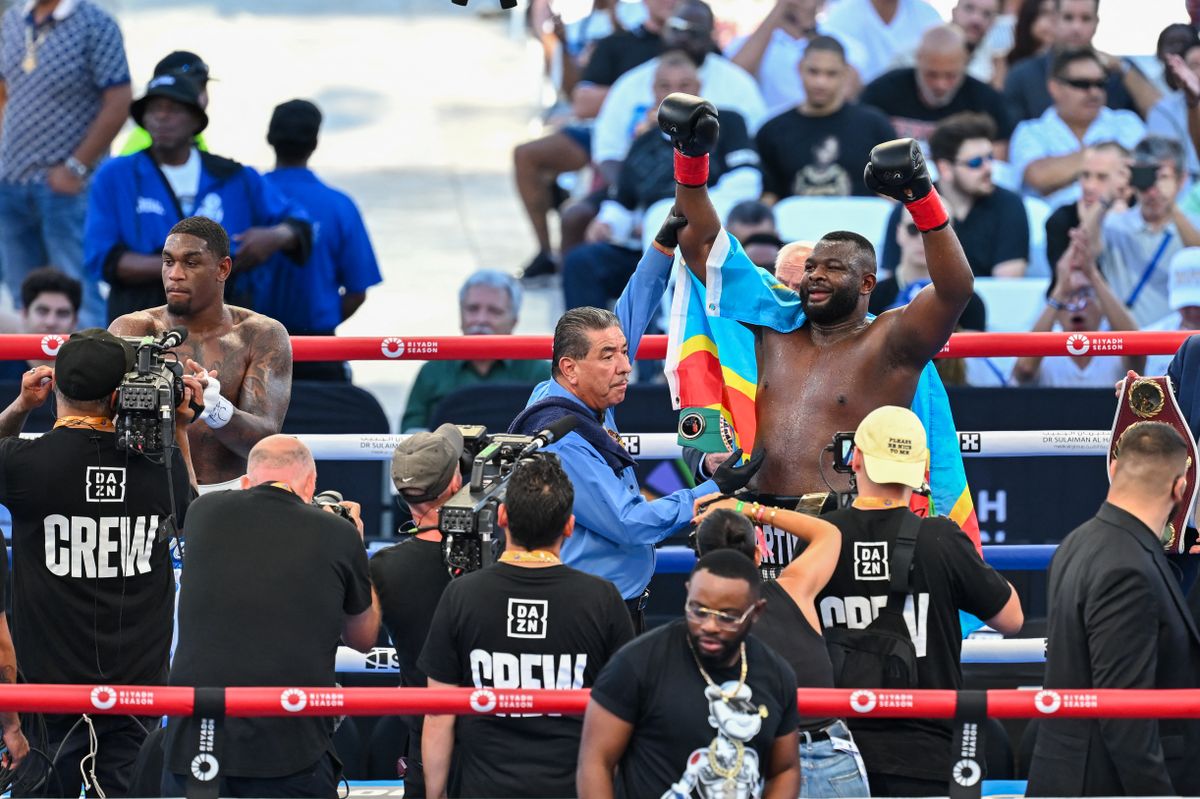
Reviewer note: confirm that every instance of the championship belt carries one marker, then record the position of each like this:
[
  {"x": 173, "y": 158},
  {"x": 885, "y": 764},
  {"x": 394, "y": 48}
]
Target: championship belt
[
  {"x": 704, "y": 429},
  {"x": 1151, "y": 399}
]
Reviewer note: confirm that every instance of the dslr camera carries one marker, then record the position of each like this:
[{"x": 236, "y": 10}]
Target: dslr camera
[{"x": 149, "y": 394}]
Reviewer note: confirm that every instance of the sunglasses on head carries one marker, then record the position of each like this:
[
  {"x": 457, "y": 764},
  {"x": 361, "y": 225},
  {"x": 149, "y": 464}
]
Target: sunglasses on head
[
  {"x": 1083, "y": 84},
  {"x": 977, "y": 161}
]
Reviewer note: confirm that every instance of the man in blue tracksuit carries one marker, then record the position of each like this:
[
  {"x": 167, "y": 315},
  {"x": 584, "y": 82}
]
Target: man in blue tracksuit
[
  {"x": 135, "y": 200},
  {"x": 616, "y": 528},
  {"x": 313, "y": 298}
]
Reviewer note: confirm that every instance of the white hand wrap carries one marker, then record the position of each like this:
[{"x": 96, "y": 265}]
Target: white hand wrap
[{"x": 217, "y": 410}]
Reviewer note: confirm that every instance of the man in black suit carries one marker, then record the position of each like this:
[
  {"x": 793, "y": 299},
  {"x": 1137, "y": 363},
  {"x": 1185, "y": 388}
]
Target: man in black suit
[{"x": 1119, "y": 620}]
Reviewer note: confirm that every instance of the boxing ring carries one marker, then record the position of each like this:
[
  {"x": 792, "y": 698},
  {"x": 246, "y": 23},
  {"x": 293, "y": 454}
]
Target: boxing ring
[{"x": 967, "y": 708}]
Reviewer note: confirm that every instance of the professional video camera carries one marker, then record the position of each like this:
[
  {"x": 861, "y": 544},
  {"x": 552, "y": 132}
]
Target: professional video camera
[
  {"x": 149, "y": 393},
  {"x": 467, "y": 521}
]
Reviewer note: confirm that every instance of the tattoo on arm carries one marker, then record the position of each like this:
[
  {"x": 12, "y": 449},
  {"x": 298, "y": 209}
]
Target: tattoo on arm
[
  {"x": 12, "y": 420},
  {"x": 265, "y": 391}
]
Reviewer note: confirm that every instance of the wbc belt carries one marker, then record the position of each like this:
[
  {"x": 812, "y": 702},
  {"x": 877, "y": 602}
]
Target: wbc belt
[{"x": 1151, "y": 399}]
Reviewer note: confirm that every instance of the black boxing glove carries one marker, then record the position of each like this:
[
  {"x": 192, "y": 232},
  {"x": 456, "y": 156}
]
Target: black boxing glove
[
  {"x": 668, "y": 235},
  {"x": 691, "y": 124},
  {"x": 897, "y": 169},
  {"x": 733, "y": 475}
]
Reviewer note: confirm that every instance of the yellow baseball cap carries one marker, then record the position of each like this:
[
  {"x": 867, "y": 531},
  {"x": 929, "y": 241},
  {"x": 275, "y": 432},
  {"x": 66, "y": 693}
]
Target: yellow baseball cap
[{"x": 892, "y": 441}]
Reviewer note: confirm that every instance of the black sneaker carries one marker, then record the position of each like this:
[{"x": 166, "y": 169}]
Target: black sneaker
[{"x": 543, "y": 265}]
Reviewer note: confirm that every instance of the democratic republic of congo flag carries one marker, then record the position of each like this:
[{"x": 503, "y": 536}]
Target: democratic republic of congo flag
[{"x": 710, "y": 364}]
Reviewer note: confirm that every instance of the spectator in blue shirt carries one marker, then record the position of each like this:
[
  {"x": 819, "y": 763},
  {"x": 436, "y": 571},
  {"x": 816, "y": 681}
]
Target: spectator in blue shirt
[
  {"x": 136, "y": 199},
  {"x": 316, "y": 296},
  {"x": 64, "y": 91},
  {"x": 616, "y": 528}
]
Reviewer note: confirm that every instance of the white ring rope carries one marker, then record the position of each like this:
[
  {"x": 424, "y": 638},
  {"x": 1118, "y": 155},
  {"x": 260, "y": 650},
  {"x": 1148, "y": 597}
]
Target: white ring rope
[
  {"x": 382, "y": 659},
  {"x": 979, "y": 444}
]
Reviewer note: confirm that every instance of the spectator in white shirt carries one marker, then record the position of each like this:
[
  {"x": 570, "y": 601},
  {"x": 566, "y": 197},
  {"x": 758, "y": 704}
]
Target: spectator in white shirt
[
  {"x": 773, "y": 51},
  {"x": 886, "y": 31},
  {"x": 1047, "y": 152},
  {"x": 1184, "y": 296},
  {"x": 1079, "y": 300}
]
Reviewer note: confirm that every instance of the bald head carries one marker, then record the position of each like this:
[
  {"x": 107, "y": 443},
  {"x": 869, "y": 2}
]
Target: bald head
[
  {"x": 284, "y": 459},
  {"x": 943, "y": 39},
  {"x": 941, "y": 65}
]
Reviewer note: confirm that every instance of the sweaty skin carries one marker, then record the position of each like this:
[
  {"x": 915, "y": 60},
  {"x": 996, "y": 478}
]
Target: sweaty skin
[
  {"x": 828, "y": 375},
  {"x": 249, "y": 353},
  {"x": 252, "y": 356}
]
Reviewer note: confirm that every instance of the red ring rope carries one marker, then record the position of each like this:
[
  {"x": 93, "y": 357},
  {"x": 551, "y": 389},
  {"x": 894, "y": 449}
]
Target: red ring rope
[
  {"x": 283, "y": 701},
  {"x": 442, "y": 348}
]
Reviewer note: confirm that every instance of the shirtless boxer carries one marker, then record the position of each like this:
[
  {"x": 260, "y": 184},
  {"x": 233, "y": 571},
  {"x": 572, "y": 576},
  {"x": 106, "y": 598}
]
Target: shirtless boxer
[
  {"x": 246, "y": 357},
  {"x": 825, "y": 373}
]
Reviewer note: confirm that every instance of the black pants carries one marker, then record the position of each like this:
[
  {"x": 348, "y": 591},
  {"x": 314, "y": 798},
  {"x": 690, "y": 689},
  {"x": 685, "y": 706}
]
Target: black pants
[
  {"x": 318, "y": 781},
  {"x": 67, "y": 742},
  {"x": 414, "y": 774},
  {"x": 637, "y": 611},
  {"x": 897, "y": 785}
]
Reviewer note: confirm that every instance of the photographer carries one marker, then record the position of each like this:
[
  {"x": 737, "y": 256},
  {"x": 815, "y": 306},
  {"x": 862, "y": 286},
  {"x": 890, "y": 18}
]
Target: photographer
[
  {"x": 270, "y": 584},
  {"x": 526, "y": 622},
  {"x": 410, "y": 576},
  {"x": 92, "y": 587}
]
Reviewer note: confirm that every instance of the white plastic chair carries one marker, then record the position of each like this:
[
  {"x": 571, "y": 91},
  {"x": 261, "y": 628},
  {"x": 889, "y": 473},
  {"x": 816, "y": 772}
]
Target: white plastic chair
[{"x": 810, "y": 218}]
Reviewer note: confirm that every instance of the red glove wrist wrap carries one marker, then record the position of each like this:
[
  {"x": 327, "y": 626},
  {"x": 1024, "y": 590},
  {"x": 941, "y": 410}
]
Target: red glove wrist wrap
[
  {"x": 927, "y": 213},
  {"x": 691, "y": 170}
]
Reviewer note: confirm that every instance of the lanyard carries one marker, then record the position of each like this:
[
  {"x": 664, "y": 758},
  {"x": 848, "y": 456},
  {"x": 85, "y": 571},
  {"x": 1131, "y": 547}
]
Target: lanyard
[{"x": 1149, "y": 270}]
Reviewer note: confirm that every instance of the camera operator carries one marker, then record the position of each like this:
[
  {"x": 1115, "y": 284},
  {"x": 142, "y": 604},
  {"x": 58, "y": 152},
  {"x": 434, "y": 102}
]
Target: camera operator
[
  {"x": 527, "y": 621},
  {"x": 92, "y": 582},
  {"x": 270, "y": 584},
  {"x": 410, "y": 576}
]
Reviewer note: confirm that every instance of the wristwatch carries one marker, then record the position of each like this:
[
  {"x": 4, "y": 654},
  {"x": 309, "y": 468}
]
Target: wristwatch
[{"x": 77, "y": 167}]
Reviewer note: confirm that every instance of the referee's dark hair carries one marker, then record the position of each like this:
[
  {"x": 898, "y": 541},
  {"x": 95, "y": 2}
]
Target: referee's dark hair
[
  {"x": 726, "y": 529},
  {"x": 733, "y": 565},
  {"x": 538, "y": 501}
]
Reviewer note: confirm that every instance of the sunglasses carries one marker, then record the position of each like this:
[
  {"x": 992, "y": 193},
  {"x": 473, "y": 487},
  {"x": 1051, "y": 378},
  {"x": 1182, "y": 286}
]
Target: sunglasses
[
  {"x": 1083, "y": 84},
  {"x": 1079, "y": 300},
  {"x": 724, "y": 621},
  {"x": 681, "y": 24},
  {"x": 977, "y": 161}
]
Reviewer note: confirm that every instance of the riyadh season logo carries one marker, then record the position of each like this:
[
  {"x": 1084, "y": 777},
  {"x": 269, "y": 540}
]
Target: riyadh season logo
[
  {"x": 392, "y": 347},
  {"x": 51, "y": 344},
  {"x": 1078, "y": 344},
  {"x": 863, "y": 701},
  {"x": 293, "y": 700},
  {"x": 967, "y": 772},
  {"x": 483, "y": 701},
  {"x": 1050, "y": 701},
  {"x": 103, "y": 697}
]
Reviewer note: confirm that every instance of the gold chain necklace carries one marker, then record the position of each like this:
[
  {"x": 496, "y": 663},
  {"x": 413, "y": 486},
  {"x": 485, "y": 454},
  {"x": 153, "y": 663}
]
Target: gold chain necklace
[
  {"x": 727, "y": 774},
  {"x": 32, "y": 44},
  {"x": 725, "y": 697}
]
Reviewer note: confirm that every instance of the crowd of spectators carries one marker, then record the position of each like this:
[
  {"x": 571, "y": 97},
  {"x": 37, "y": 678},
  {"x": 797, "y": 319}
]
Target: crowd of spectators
[{"x": 1032, "y": 132}]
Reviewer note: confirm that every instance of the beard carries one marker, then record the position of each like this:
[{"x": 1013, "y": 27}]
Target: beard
[
  {"x": 180, "y": 307},
  {"x": 840, "y": 305},
  {"x": 721, "y": 659}
]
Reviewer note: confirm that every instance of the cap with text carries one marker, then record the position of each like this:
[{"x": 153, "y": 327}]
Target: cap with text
[
  {"x": 424, "y": 463},
  {"x": 892, "y": 442}
]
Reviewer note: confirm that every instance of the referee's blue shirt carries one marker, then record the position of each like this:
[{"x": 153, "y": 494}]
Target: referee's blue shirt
[{"x": 616, "y": 528}]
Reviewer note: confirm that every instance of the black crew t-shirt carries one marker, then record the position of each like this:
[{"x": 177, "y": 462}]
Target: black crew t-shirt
[
  {"x": 948, "y": 575},
  {"x": 820, "y": 156},
  {"x": 92, "y": 583},
  {"x": 511, "y": 627},
  {"x": 679, "y": 721},
  {"x": 267, "y": 583}
]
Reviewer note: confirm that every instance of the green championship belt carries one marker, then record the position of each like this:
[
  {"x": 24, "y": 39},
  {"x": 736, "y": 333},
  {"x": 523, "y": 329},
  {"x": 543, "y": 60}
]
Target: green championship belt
[
  {"x": 1151, "y": 399},
  {"x": 704, "y": 429}
]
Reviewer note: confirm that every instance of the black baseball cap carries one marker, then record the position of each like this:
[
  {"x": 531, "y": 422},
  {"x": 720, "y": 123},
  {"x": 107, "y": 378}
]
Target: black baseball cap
[
  {"x": 184, "y": 62},
  {"x": 174, "y": 86},
  {"x": 92, "y": 364},
  {"x": 294, "y": 122}
]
